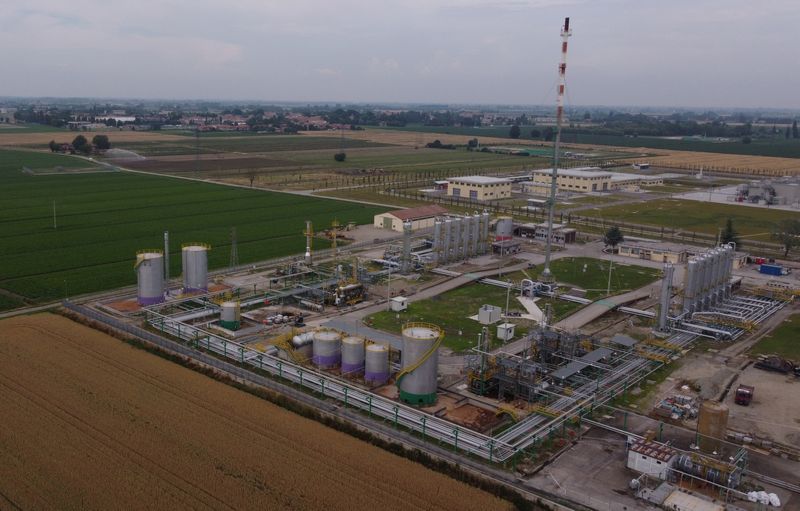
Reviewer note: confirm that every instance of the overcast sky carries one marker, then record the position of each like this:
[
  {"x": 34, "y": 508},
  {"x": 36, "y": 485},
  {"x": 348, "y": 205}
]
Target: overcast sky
[{"x": 693, "y": 53}]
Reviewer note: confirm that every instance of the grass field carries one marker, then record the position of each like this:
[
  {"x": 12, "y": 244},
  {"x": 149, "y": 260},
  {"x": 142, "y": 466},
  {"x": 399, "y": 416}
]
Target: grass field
[
  {"x": 592, "y": 275},
  {"x": 450, "y": 311},
  {"x": 696, "y": 216},
  {"x": 246, "y": 144},
  {"x": 92, "y": 423},
  {"x": 784, "y": 341},
  {"x": 103, "y": 219}
]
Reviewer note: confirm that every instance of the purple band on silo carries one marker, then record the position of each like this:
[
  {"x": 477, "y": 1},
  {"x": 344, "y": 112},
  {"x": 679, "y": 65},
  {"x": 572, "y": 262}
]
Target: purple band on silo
[
  {"x": 376, "y": 377},
  {"x": 352, "y": 368},
  {"x": 149, "y": 300},
  {"x": 326, "y": 361}
]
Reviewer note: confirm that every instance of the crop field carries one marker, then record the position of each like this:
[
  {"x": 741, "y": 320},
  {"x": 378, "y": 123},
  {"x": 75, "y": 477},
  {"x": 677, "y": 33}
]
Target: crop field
[
  {"x": 92, "y": 423},
  {"x": 40, "y": 139},
  {"x": 783, "y": 341},
  {"x": 104, "y": 218},
  {"x": 695, "y": 216}
]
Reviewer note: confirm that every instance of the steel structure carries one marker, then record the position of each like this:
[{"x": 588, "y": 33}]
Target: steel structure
[{"x": 562, "y": 72}]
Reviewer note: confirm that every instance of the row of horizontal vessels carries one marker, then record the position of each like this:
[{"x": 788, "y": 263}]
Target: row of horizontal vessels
[
  {"x": 355, "y": 357},
  {"x": 150, "y": 272}
]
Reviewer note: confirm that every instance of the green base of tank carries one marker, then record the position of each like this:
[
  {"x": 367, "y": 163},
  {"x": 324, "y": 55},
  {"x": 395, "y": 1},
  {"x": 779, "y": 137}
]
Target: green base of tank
[
  {"x": 417, "y": 399},
  {"x": 230, "y": 325}
]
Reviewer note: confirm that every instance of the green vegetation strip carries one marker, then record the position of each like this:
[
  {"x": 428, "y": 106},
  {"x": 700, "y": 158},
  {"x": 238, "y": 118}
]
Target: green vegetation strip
[
  {"x": 784, "y": 341},
  {"x": 104, "y": 218}
]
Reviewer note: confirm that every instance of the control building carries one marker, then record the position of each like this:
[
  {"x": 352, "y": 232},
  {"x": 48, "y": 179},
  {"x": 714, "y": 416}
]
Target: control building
[{"x": 479, "y": 188}]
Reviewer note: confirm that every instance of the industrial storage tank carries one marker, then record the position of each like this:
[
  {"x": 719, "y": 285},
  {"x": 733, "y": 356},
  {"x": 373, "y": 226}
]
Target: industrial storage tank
[
  {"x": 302, "y": 344},
  {"x": 712, "y": 425},
  {"x": 327, "y": 349},
  {"x": 230, "y": 316},
  {"x": 376, "y": 364},
  {"x": 149, "y": 269},
  {"x": 195, "y": 267},
  {"x": 352, "y": 356},
  {"x": 417, "y": 378},
  {"x": 504, "y": 229}
]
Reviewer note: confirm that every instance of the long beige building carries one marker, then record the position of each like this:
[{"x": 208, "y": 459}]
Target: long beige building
[
  {"x": 420, "y": 217},
  {"x": 587, "y": 179},
  {"x": 480, "y": 188}
]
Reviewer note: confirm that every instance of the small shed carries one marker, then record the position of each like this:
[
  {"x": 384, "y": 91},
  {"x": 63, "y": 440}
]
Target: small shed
[
  {"x": 505, "y": 331},
  {"x": 398, "y": 303},
  {"x": 489, "y": 314}
]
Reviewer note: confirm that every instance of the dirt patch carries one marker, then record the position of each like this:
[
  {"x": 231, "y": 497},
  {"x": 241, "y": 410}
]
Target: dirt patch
[{"x": 91, "y": 423}]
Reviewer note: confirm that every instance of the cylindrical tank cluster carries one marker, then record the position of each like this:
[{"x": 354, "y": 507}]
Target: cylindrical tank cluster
[
  {"x": 302, "y": 344},
  {"x": 504, "y": 229},
  {"x": 712, "y": 425},
  {"x": 230, "y": 315},
  {"x": 195, "y": 267},
  {"x": 376, "y": 364},
  {"x": 327, "y": 351},
  {"x": 352, "y": 356},
  {"x": 730, "y": 478},
  {"x": 417, "y": 378},
  {"x": 457, "y": 238},
  {"x": 707, "y": 280},
  {"x": 666, "y": 296},
  {"x": 149, "y": 269}
]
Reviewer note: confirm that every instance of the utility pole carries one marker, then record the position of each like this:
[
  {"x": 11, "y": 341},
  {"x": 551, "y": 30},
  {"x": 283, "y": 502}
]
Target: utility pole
[
  {"x": 610, "y": 265},
  {"x": 55, "y": 226},
  {"x": 234, "y": 261},
  {"x": 547, "y": 275}
]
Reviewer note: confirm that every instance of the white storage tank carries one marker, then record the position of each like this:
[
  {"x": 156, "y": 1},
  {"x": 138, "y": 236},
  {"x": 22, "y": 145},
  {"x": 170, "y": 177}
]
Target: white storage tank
[
  {"x": 420, "y": 363},
  {"x": 376, "y": 364},
  {"x": 352, "y": 356},
  {"x": 230, "y": 315},
  {"x": 327, "y": 352},
  {"x": 195, "y": 267},
  {"x": 504, "y": 229},
  {"x": 149, "y": 269}
]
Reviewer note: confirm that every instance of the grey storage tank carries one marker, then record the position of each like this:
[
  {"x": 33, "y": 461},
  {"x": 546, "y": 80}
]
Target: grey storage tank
[
  {"x": 352, "y": 356},
  {"x": 376, "y": 364},
  {"x": 230, "y": 316},
  {"x": 417, "y": 379},
  {"x": 327, "y": 352},
  {"x": 149, "y": 269},
  {"x": 195, "y": 267}
]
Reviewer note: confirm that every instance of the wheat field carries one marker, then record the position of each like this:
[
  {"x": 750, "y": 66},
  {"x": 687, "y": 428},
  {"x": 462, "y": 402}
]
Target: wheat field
[{"x": 89, "y": 422}]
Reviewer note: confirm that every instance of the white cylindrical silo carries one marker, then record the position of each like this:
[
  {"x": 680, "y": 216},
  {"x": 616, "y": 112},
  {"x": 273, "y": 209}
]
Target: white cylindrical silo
[
  {"x": 689, "y": 286},
  {"x": 420, "y": 363},
  {"x": 455, "y": 241},
  {"x": 445, "y": 254},
  {"x": 352, "y": 356},
  {"x": 376, "y": 364},
  {"x": 327, "y": 349},
  {"x": 230, "y": 315},
  {"x": 466, "y": 223},
  {"x": 437, "y": 241},
  {"x": 504, "y": 229},
  {"x": 484, "y": 236},
  {"x": 475, "y": 229},
  {"x": 149, "y": 269},
  {"x": 195, "y": 267}
]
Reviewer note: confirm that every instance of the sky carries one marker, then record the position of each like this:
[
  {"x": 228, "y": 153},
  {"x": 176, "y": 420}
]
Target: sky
[{"x": 682, "y": 53}]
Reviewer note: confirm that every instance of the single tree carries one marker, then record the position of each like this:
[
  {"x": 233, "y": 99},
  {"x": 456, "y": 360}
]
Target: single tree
[
  {"x": 535, "y": 133},
  {"x": 472, "y": 144},
  {"x": 788, "y": 133},
  {"x": 53, "y": 146},
  {"x": 78, "y": 142},
  {"x": 795, "y": 133},
  {"x": 613, "y": 237},
  {"x": 85, "y": 149},
  {"x": 787, "y": 233},
  {"x": 729, "y": 235},
  {"x": 101, "y": 142},
  {"x": 514, "y": 131},
  {"x": 339, "y": 156},
  {"x": 548, "y": 133}
]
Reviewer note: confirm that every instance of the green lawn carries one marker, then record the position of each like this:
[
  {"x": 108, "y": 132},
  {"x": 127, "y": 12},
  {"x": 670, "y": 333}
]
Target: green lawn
[
  {"x": 104, "y": 218},
  {"x": 784, "y": 341},
  {"x": 696, "y": 216},
  {"x": 592, "y": 275},
  {"x": 450, "y": 311}
]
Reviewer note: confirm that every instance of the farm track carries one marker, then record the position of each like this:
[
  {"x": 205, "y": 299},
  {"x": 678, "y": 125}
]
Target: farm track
[{"x": 220, "y": 450}]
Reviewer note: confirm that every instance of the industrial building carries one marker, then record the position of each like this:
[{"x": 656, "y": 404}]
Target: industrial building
[
  {"x": 479, "y": 188},
  {"x": 782, "y": 191},
  {"x": 584, "y": 179},
  {"x": 561, "y": 233},
  {"x": 420, "y": 218},
  {"x": 661, "y": 252}
]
